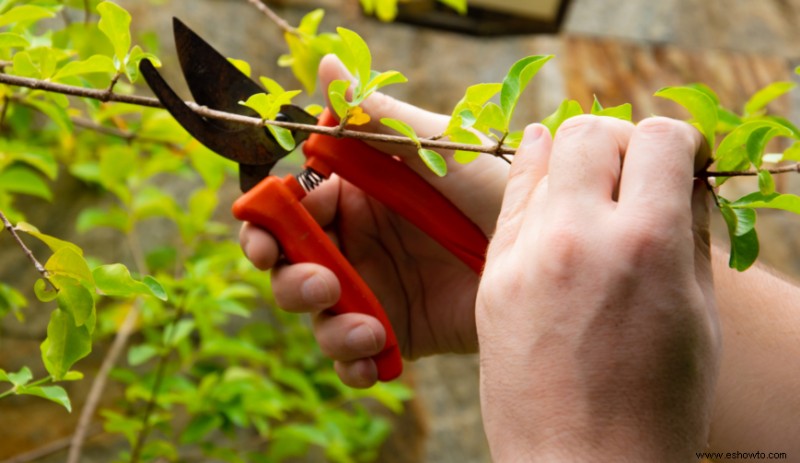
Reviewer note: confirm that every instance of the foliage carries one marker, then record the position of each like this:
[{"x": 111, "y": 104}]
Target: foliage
[
  {"x": 208, "y": 369},
  {"x": 207, "y": 365}
]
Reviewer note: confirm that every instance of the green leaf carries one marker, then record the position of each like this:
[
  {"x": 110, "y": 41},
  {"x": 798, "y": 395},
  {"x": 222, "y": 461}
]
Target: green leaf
[
  {"x": 75, "y": 299},
  {"x": 283, "y": 136},
  {"x": 623, "y": 111},
  {"x": 753, "y": 136},
  {"x": 792, "y": 153},
  {"x": 177, "y": 332},
  {"x": 336, "y": 93},
  {"x": 268, "y": 105},
  {"x": 11, "y": 40},
  {"x": 26, "y": 14},
  {"x": 20, "y": 378},
  {"x": 386, "y": 78},
  {"x": 156, "y": 289},
  {"x": 94, "y": 64},
  {"x": 434, "y": 161},
  {"x": 115, "y": 23},
  {"x": 786, "y": 202},
  {"x": 44, "y": 292},
  {"x": 311, "y": 21},
  {"x": 566, "y": 110},
  {"x": 12, "y": 301},
  {"x": 386, "y": 10},
  {"x": 135, "y": 57},
  {"x": 242, "y": 65},
  {"x": 68, "y": 263},
  {"x": 765, "y": 96},
  {"x": 53, "y": 243},
  {"x": 116, "y": 280},
  {"x": 459, "y": 5},
  {"x": 701, "y": 106},
  {"x": 742, "y": 234},
  {"x": 55, "y": 394},
  {"x": 138, "y": 355},
  {"x": 766, "y": 184},
  {"x": 401, "y": 127},
  {"x": 517, "y": 80},
  {"x": 66, "y": 343},
  {"x": 356, "y": 55},
  {"x": 94, "y": 217},
  {"x": 491, "y": 117},
  {"x": 271, "y": 85},
  {"x": 22, "y": 180},
  {"x": 40, "y": 160}
]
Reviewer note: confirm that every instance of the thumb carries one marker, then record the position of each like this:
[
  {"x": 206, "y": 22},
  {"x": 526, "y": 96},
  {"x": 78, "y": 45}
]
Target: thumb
[{"x": 378, "y": 105}]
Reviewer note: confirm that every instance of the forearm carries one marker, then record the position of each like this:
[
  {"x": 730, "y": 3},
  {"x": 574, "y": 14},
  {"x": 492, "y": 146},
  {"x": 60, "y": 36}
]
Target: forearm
[{"x": 758, "y": 396}]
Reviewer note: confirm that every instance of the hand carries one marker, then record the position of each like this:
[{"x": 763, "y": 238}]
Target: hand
[
  {"x": 428, "y": 294},
  {"x": 596, "y": 315}
]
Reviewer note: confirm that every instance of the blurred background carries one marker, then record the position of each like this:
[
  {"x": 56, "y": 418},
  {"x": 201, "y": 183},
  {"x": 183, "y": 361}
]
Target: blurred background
[{"x": 617, "y": 50}]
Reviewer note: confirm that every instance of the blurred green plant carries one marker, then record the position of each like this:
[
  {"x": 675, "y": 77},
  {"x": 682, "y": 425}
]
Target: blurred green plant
[
  {"x": 207, "y": 368},
  {"x": 204, "y": 362}
]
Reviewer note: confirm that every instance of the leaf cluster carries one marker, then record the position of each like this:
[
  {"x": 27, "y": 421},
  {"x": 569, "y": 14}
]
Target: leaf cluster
[{"x": 206, "y": 346}]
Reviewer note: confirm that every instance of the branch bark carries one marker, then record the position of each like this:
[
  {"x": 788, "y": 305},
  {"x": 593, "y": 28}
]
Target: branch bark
[
  {"x": 83, "y": 429},
  {"x": 274, "y": 17},
  {"x": 38, "y": 265},
  {"x": 104, "y": 95}
]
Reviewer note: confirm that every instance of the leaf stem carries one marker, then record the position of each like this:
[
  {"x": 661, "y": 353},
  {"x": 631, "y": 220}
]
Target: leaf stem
[{"x": 38, "y": 265}]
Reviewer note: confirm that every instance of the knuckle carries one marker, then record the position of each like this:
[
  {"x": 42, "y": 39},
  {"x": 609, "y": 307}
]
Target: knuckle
[
  {"x": 588, "y": 123},
  {"x": 672, "y": 130}
]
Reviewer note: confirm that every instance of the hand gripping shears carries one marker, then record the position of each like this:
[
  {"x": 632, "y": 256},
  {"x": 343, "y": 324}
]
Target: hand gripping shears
[{"x": 273, "y": 203}]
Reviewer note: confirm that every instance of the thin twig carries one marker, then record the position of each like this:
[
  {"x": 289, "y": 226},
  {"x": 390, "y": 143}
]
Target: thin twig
[
  {"x": 274, "y": 17},
  {"x": 51, "y": 448},
  {"x": 38, "y": 265},
  {"x": 102, "y": 95},
  {"x": 161, "y": 370},
  {"x": 114, "y": 132},
  {"x": 750, "y": 173},
  {"x": 111, "y": 85},
  {"x": 82, "y": 431},
  {"x": 253, "y": 121}
]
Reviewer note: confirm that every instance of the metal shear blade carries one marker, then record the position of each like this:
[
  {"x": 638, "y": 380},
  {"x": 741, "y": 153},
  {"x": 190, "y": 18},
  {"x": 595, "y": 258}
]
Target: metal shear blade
[{"x": 217, "y": 84}]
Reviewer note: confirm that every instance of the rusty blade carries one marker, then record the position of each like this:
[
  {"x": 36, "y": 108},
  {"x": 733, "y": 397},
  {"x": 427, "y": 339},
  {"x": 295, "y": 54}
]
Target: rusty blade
[{"x": 218, "y": 84}]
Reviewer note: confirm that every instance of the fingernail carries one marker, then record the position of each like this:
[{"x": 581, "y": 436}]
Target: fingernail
[
  {"x": 361, "y": 338},
  {"x": 533, "y": 132},
  {"x": 315, "y": 290}
]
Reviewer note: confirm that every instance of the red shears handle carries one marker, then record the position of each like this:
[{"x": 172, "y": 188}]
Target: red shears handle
[
  {"x": 402, "y": 190},
  {"x": 274, "y": 204}
]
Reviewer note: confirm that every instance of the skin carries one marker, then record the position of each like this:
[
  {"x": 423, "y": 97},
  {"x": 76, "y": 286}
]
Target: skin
[
  {"x": 431, "y": 297},
  {"x": 596, "y": 313}
]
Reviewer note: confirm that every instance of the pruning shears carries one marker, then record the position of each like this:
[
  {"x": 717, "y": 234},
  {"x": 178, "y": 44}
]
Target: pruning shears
[{"x": 273, "y": 203}]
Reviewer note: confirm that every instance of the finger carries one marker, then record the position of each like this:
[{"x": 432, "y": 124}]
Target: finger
[
  {"x": 527, "y": 170},
  {"x": 359, "y": 374},
  {"x": 585, "y": 161},
  {"x": 304, "y": 287},
  {"x": 657, "y": 177},
  {"x": 259, "y": 246},
  {"x": 350, "y": 336}
]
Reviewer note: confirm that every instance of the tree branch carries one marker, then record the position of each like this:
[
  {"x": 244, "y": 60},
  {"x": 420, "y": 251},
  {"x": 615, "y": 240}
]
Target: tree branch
[
  {"x": 495, "y": 150},
  {"x": 103, "y": 95},
  {"x": 38, "y": 265},
  {"x": 274, "y": 17},
  {"x": 83, "y": 429}
]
